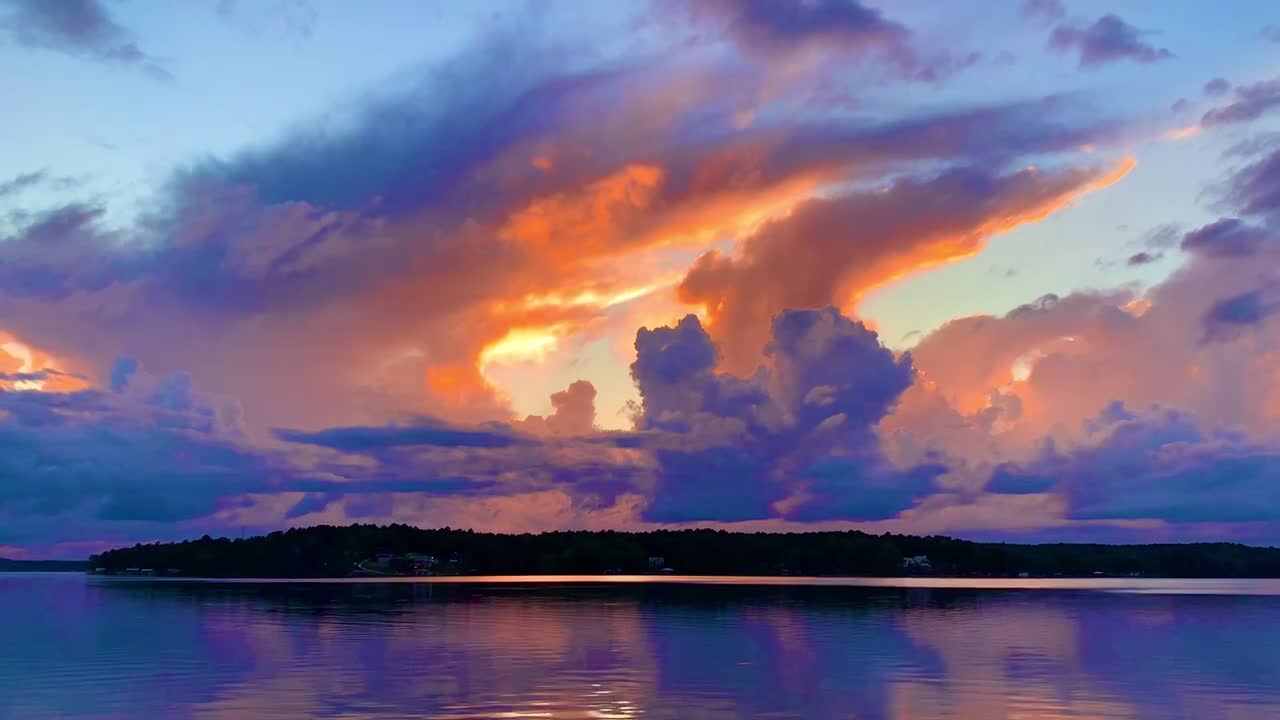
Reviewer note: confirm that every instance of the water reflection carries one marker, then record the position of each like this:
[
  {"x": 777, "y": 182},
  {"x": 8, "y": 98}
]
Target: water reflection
[{"x": 72, "y": 648}]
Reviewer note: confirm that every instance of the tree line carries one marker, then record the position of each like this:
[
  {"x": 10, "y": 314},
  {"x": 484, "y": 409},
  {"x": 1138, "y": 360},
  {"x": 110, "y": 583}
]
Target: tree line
[{"x": 329, "y": 551}]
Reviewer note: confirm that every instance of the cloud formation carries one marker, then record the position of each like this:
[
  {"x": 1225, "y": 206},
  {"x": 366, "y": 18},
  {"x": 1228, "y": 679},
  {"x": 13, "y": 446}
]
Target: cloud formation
[
  {"x": 1248, "y": 103},
  {"x": 1106, "y": 40},
  {"x": 355, "y": 318},
  {"x": 833, "y": 250},
  {"x": 77, "y": 27}
]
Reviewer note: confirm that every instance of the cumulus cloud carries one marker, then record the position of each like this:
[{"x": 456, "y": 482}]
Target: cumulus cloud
[
  {"x": 573, "y": 411},
  {"x": 795, "y": 440},
  {"x": 1117, "y": 409},
  {"x": 1108, "y": 39},
  {"x": 77, "y": 27}
]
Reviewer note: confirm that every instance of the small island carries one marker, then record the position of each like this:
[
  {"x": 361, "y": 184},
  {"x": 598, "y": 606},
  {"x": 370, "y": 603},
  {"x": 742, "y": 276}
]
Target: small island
[{"x": 403, "y": 550}]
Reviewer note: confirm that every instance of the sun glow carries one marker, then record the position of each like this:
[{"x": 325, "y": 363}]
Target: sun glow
[
  {"x": 23, "y": 354},
  {"x": 521, "y": 344}
]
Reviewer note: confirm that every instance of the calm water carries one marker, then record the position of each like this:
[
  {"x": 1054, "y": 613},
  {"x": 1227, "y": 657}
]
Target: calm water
[{"x": 77, "y": 647}]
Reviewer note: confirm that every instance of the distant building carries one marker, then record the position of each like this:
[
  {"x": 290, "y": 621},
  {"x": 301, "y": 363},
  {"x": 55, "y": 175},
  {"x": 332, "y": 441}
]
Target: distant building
[
  {"x": 657, "y": 563},
  {"x": 384, "y": 558},
  {"x": 918, "y": 563},
  {"x": 422, "y": 564}
]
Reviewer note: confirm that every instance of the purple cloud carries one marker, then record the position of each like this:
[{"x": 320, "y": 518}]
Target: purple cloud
[
  {"x": 1227, "y": 237},
  {"x": 1255, "y": 189},
  {"x": 795, "y": 440},
  {"x": 1043, "y": 10},
  {"x": 779, "y": 25},
  {"x": 1250, "y": 102},
  {"x": 1109, "y": 39},
  {"x": 1217, "y": 87},
  {"x": 1226, "y": 318},
  {"x": 425, "y": 432},
  {"x": 77, "y": 27},
  {"x": 1156, "y": 465}
]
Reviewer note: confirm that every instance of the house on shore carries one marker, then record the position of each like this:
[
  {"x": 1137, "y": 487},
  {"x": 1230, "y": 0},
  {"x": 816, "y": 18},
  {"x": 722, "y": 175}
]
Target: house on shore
[{"x": 917, "y": 563}]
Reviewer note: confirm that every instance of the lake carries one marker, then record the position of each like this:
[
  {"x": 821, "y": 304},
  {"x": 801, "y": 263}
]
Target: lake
[{"x": 75, "y": 647}]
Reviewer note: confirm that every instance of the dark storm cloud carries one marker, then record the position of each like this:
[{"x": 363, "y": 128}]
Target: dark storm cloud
[{"x": 1108, "y": 39}]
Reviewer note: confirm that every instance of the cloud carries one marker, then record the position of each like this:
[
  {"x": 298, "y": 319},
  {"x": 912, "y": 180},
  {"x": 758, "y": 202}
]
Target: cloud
[
  {"x": 834, "y": 249},
  {"x": 775, "y": 26},
  {"x": 77, "y": 27},
  {"x": 1043, "y": 10},
  {"x": 20, "y": 183},
  {"x": 1217, "y": 87},
  {"x": 296, "y": 18},
  {"x": 1249, "y": 102},
  {"x": 1227, "y": 237},
  {"x": 1109, "y": 39},
  {"x": 513, "y": 230},
  {"x": 573, "y": 412},
  {"x": 794, "y": 441},
  {"x": 426, "y": 432},
  {"x": 786, "y": 35},
  {"x": 1141, "y": 258},
  {"x": 1229, "y": 316},
  {"x": 1158, "y": 464},
  {"x": 121, "y": 372},
  {"x": 1254, "y": 190},
  {"x": 112, "y": 458},
  {"x": 309, "y": 330},
  {"x": 1116, "y": 409}
]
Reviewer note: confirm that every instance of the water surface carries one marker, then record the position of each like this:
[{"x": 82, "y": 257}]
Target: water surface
[{"x": 74, "y": 647}]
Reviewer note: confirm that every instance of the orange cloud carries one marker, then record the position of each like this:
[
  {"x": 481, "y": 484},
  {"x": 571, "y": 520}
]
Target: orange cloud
[
  {"x": 830, "y": 249},
  {"x": 18, "y": 358}
]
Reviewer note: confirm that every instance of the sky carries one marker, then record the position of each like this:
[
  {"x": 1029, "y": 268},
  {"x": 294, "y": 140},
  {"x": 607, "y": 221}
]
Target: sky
[{"x": 1000, "y": 270}]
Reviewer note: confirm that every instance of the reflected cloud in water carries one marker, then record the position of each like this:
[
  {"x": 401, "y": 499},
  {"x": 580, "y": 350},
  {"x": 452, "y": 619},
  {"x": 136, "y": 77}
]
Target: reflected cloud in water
[{"x": 77, "y": 648}]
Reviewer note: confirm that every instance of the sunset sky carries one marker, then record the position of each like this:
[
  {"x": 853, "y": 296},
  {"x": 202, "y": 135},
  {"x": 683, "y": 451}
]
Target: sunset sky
[{"x": 1001, "y": 270}]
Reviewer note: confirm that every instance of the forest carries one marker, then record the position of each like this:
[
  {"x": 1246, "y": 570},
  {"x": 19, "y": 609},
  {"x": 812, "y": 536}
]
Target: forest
[{"x": 329, "y": 551}]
